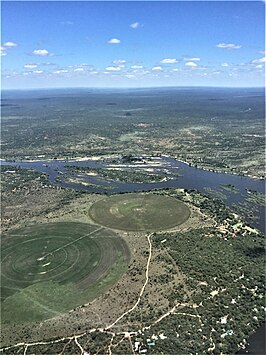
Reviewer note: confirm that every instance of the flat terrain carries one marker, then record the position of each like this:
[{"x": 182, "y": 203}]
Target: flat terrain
[
  {"x": 42, "y": 262},
  {"x": 139, "y": 212},
  {"x": 221, "y": 129}
]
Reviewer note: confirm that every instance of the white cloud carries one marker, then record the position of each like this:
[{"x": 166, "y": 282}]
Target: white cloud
[
  {"x": 193, "y": 59},
  {"x": 262, "y": 52},
  {"x": 41, "y": 52},
  {"x": 169, "y": 61},
  {"x": 81, "y": 67},
  {"x": 30, "y": 66},
  {"x": 228, "y": 45},
  {"x": 176, "y": 69},
  {"x": 261, "y": 60},
  {"x": 119, "y": 62},
  {"x": 5, "y": 47},
  {"x": 225, "y": 65},
  {"x": 135, "y": 25},
  {"x": 38, "y": 71},
  {"x": 114, "y": 41},
  {"x": 113, "y": 68},
  {"x": 158, "y": 68},
  {"x": 3, "y": 51},
  {"x": 140, "y": 72},
  {"x": 136, "y": 67},
  {"x": 48, "y": 63},
  {"x": 259, "y": 66},
  {"x": 10, "y": 44},
  {"x": 191, "y": 64},
  {"x": 60, "y": 71}
]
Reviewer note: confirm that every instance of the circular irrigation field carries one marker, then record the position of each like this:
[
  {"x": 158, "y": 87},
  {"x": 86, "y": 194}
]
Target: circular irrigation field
[
  {"x": 48, "y": 269},
  {"x": 139, "y": 212}
]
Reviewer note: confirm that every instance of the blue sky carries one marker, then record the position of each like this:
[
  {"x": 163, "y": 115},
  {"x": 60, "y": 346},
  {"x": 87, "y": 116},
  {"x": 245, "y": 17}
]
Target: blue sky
[{"x": 132, "y": 44}]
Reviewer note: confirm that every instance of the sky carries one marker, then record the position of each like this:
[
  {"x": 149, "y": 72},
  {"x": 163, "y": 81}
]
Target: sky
[{"x": 50, "y": 44}]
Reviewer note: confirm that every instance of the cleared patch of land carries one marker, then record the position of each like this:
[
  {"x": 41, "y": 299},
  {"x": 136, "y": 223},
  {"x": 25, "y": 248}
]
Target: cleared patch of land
[
  {"x": 139, "y": 212},
  {"x": 48, "y": 269}
]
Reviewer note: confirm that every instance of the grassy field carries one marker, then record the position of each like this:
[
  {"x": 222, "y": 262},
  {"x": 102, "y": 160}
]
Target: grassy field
[
  {"x": 48, "y": 269},
  {"x": 139, "y": 212}
]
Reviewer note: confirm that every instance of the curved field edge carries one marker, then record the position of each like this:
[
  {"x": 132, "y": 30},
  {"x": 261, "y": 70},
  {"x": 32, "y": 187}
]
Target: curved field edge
[
  {"x": 51, "y": 297},
  {"x": 124, "y": 212}
]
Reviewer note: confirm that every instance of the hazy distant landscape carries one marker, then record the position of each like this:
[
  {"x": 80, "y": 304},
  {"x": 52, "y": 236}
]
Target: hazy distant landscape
[{"x": 220, "y": 129}]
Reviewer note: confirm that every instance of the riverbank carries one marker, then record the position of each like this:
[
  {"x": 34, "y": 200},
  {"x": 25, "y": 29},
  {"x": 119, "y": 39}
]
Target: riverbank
[
  {"x": 256, "y": 343},
  {"x": 180, "y": 174},
  {"x": 106, "y": 157}
]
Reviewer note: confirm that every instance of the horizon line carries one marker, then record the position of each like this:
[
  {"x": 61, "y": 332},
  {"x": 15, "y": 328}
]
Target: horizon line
[{"x": 132, "y": 87}]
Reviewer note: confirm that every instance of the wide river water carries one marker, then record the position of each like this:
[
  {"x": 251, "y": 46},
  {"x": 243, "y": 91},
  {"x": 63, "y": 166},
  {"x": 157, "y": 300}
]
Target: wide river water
[{"x": 177, "y": 175}]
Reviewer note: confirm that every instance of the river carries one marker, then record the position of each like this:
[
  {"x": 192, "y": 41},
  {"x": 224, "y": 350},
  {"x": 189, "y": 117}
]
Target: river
[{"x": 178, "y": 175}]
